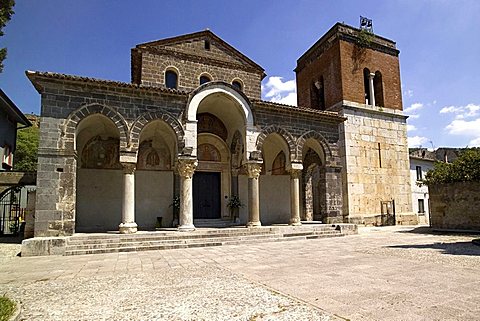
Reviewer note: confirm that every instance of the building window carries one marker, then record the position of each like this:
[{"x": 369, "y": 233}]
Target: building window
[
  {"x": 171, "y": 79},
  {"x": 318, "y": 94},
  {"x": 207, "y": 44},
  {"x": 421, "y": 206},
  {"x": 204, "y": 79},
  {"x": 366, "y": 85},
  {"x": 7, "y": 161},
  {"x": 419, "y": 173},
  {"x": 237, "y": 84}
]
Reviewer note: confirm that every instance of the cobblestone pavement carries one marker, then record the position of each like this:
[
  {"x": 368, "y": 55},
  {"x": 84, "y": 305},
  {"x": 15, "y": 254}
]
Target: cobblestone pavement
[{"x": 389, "y": 273}]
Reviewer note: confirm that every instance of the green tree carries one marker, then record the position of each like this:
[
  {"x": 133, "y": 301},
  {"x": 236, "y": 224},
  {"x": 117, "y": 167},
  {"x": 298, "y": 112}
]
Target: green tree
[
  {"x": 6, "y": 12},
  {"x": 465, "y": 168},
  {"x": 25, "y": 158}
]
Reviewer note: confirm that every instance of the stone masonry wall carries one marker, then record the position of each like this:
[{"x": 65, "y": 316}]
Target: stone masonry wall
[
  {"x": 56, "y": 174},
  {"x": 455, "y": 206},
  {"x": 374, "y": 152},
  {"x": 189, "y": 72}
]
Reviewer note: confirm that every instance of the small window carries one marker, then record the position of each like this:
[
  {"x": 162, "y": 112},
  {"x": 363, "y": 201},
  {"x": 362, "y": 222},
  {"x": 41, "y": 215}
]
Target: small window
[
  {"x": 421, "y": 206},
  {"x": 204, "y": 79},
  {"x": 171, "y": 79},
  {"x": 7, "y": 161},
  {"x": 419, "y": 173},
  {"x": 366, "y": 86},
  {"x": 237, "y": 84},
  {"x": 207, "y": 44}
]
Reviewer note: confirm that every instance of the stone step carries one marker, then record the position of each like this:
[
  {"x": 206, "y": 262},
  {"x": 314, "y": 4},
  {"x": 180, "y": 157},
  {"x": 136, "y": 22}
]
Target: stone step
[
  {"x": 99, "y": 245},
  {"x": 274, "y": 238},
  {"x": 117, "y": 238}
]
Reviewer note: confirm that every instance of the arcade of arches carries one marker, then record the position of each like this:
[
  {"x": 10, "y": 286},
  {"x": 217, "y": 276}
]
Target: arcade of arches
[{"x": 204, "y": 169}]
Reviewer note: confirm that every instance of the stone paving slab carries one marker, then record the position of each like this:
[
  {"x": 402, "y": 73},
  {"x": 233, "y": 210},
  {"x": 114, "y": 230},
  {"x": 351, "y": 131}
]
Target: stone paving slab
[{"x": 390, "y": 273}]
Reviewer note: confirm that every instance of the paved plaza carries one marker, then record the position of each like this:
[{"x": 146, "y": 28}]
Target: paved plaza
[{"x": 388, "y": 273}]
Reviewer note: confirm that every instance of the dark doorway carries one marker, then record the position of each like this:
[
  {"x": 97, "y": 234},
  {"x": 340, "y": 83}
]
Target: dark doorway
[{"x": 206, "y": 195}]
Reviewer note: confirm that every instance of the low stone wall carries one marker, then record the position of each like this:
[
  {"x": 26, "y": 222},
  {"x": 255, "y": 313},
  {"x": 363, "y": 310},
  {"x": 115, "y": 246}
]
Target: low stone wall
[
  {"x": 9, "y": 179},
  {"x": 455, "y": 205}
]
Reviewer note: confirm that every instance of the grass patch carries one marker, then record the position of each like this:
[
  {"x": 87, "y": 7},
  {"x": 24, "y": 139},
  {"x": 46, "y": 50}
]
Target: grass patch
[{"x": 7, "y": 308}]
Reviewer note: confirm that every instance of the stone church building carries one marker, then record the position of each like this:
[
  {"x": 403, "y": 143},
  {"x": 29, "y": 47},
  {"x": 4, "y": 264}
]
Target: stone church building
[{"x": 192, "y": 124}]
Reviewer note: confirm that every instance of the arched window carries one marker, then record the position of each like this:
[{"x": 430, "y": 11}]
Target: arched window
[
  {"x": 171, "y": 79},
  {"x": 378, "y": 89},
  {"x": 318, "y": 94},
  {"x": 204, "y": 79},
  {"x": 366, "y": 83},
  {"x": 237, "y": 84}
]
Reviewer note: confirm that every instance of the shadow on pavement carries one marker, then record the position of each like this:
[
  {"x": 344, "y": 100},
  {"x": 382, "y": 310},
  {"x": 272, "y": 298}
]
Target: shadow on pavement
[
  {"x": 430, "y": 231},
  {"x": 456, "y": 248}
]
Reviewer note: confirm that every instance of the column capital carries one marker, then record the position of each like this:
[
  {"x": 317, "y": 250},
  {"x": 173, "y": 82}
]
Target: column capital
[
  {"x": 129, "y": 168},
  {"x": 371, "y": 75},
  {"x": 295, "y": 173},
  {"x": 186, "y": 166},
  {"x": 253, "y": 169}
]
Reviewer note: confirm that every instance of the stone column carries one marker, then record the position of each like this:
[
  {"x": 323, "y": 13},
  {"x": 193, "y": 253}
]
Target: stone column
[
  {"x": 235, "y": 211},
  {"x": 253, "y": 170},
  {"x": 295, "y": 172},
  {"x": 370, "y": 88},
  {"x": 186, "y": 167},
  {"x": 128, "y": 224}
]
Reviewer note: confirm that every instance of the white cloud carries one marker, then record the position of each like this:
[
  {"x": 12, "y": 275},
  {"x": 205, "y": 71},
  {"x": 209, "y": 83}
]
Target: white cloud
[
  {"x": 417, "y": 141},
  {"x": 290, "y": 99},
  {"x": 411, "y": 128},
  {"x": 464, "y": 127},
  {"x": 413, "y": 107},
  {"x": 280, "y": 91},
  {"x": 461, "y": 112},
  {"x": 469, "y": 128},
  {"x": 474, "y": 142}
]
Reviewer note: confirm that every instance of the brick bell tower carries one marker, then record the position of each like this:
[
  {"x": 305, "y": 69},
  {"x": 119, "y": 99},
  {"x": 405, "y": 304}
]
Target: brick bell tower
[{"x": 357, "y": 74}]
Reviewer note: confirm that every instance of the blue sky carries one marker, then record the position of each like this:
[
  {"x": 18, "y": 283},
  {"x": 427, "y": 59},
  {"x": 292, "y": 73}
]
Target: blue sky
[{"x": 439, "y": 45}]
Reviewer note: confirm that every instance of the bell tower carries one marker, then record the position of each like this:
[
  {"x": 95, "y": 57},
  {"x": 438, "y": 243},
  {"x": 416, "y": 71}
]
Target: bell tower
[{"x": 357, "y": 74}]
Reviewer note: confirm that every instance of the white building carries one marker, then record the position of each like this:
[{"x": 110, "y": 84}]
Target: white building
[{"x": 421, "y": 161}]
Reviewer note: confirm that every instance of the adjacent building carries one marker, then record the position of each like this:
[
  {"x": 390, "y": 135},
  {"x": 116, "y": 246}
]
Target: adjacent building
[
  {"x": 11, "y": 119},
  {"x": 421, "y": 161}
]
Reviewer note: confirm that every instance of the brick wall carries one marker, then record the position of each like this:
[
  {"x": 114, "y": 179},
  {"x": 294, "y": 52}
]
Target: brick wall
[
  {"x": 328, "y": 66},
  {"x": 352, "y": 74}
]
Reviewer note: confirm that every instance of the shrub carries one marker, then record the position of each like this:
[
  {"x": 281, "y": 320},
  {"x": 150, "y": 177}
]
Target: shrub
[
  {"x": 7, "y": 308},
  {"x": 464, "y": 169}
]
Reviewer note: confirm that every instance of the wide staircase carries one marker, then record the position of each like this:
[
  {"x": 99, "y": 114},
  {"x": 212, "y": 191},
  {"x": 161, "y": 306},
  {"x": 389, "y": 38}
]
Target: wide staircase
[{"x": 79, "y": 244}]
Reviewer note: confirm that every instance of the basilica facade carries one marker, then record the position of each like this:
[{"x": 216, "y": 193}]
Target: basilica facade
[{"x": 192, "y": 127}]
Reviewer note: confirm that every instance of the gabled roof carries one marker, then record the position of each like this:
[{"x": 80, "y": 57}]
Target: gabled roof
[
  {"x": 166, "y": 44},
  {"x": 12, "y": 110}
]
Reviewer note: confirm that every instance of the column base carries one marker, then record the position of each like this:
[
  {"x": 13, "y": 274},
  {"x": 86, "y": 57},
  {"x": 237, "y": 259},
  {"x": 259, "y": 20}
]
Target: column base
[
  {"x": 295, "y": 222},
  {"x": 127, "y": 228},
  {"x": 254, "y": 224},
  {"x": 186, "y": 228}
]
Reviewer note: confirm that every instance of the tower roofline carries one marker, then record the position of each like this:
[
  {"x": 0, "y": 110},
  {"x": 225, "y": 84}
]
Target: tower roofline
[{"x": 341, "y": 31}]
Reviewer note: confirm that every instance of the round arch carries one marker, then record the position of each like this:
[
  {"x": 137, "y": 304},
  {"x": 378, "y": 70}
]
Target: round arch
[
  {"x": 318, "y": 138},
  {"x": 214, "y": 87},
  {"x": 76, "y": 116},
  {"x": 148, "y": 117},
  {"x": 282, "y": 132}
]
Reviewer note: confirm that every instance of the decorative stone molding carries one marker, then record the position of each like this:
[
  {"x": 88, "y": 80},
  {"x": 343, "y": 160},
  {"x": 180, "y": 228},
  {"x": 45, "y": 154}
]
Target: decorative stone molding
[
  {"x": 129, "y": 168},
  {"x": 186, "y": 166},
  {"x": 253, "y": 170},
  {"x": 295, "y": 173}
]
